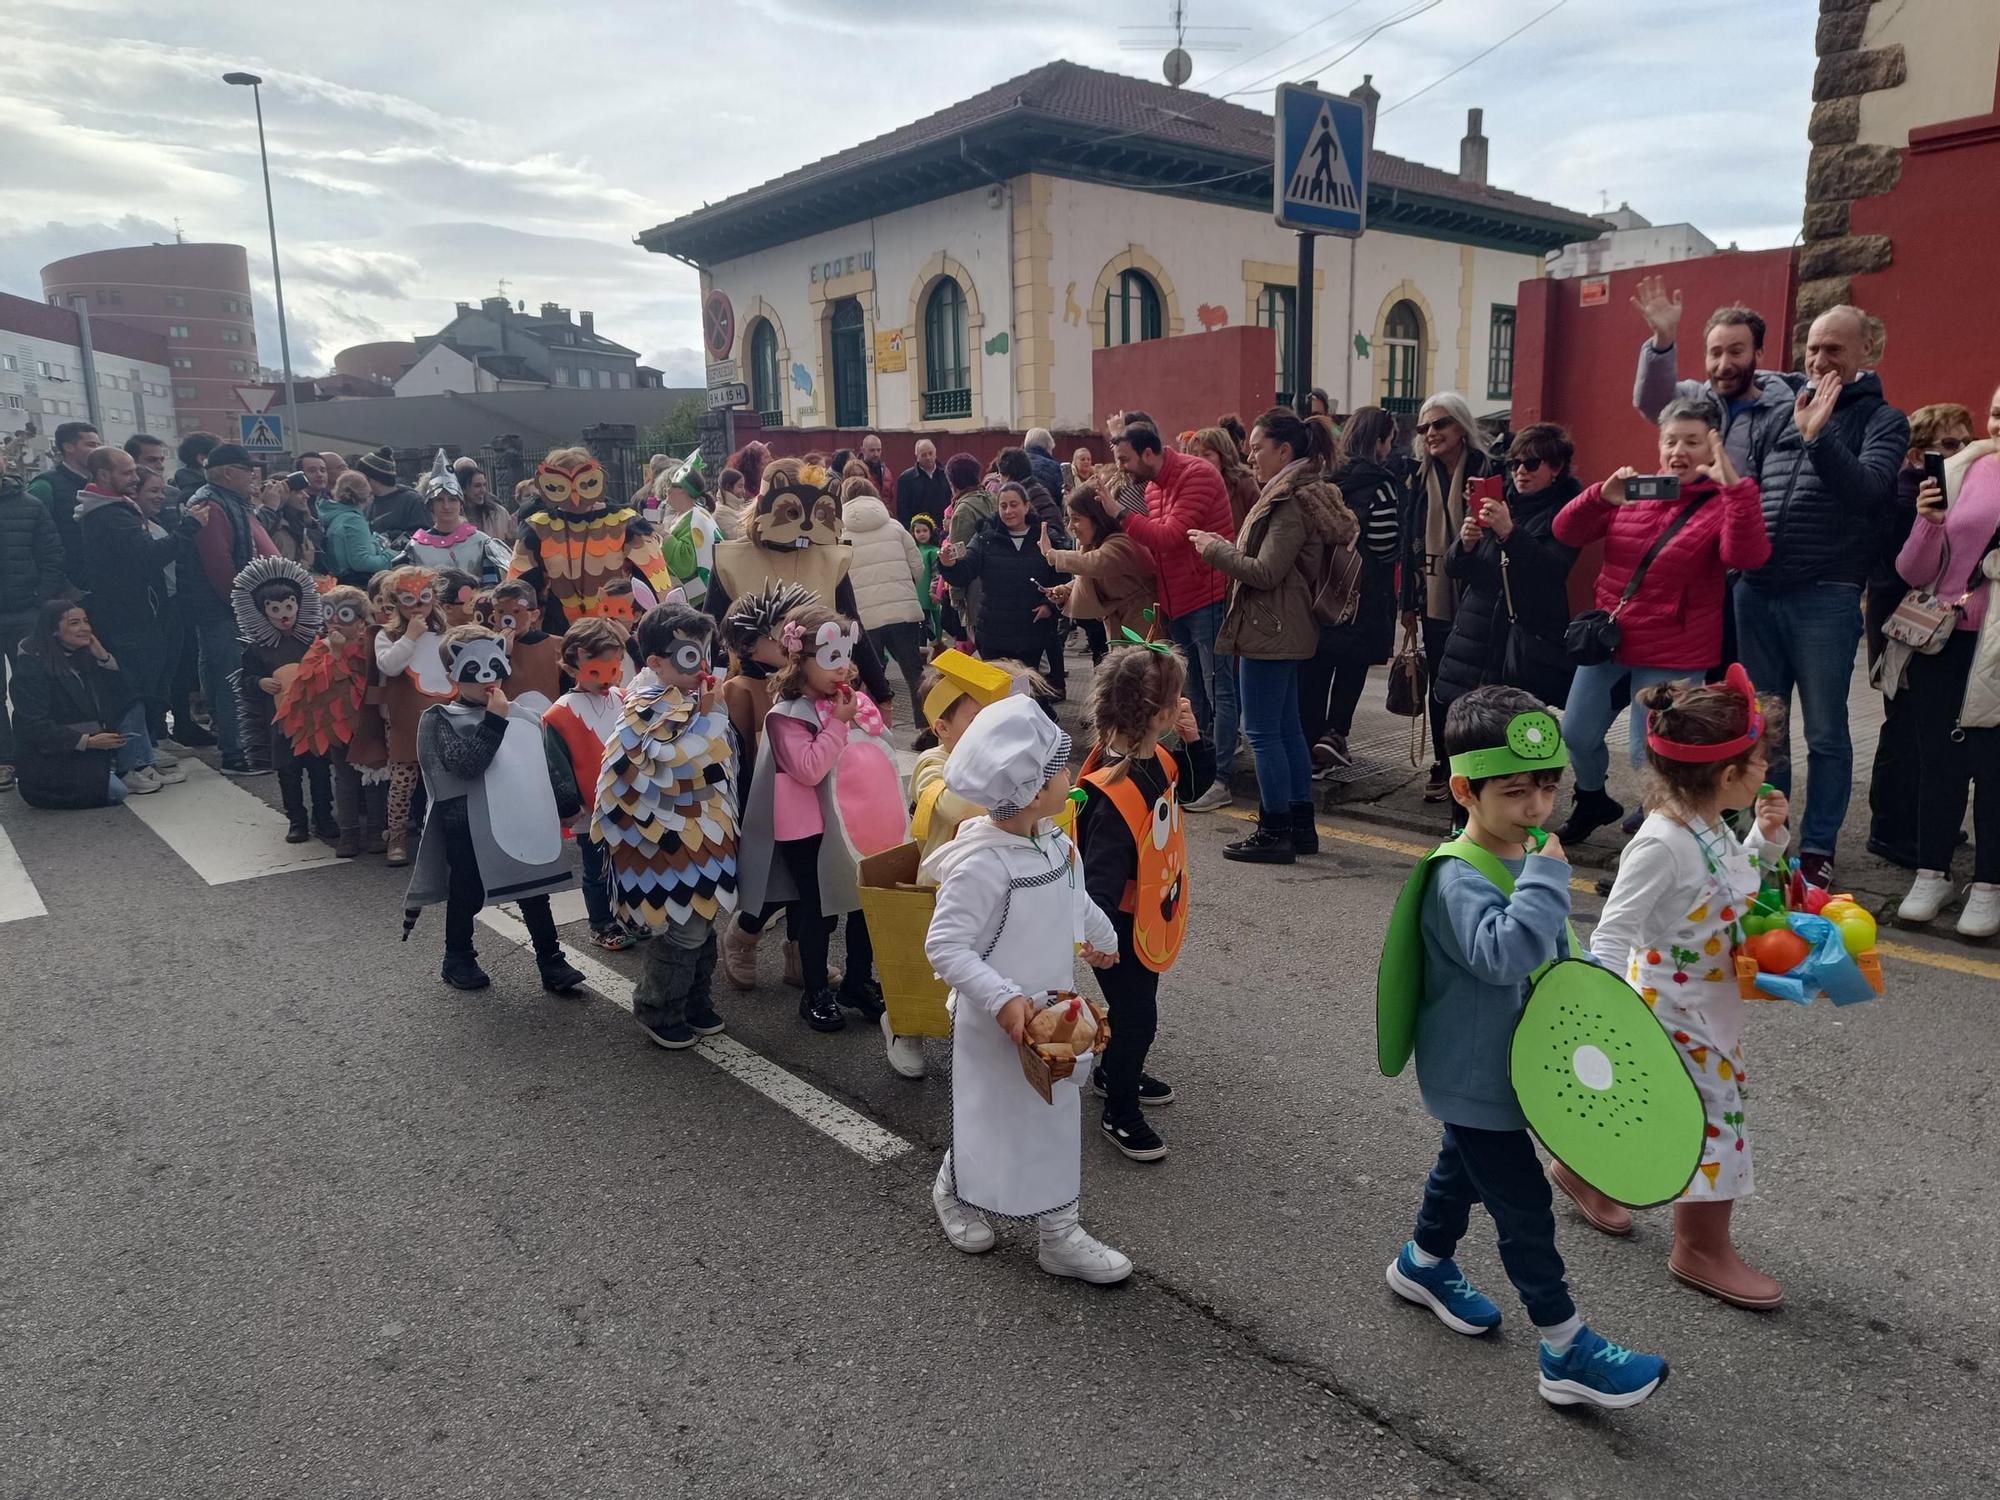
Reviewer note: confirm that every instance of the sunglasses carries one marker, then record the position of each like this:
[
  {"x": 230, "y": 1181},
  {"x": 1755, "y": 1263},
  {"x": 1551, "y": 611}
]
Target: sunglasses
[
  {"x": 1525, "y": 465},
  {"x": 1423, "y": 427},
  {"x": 1952, "y": 445}
]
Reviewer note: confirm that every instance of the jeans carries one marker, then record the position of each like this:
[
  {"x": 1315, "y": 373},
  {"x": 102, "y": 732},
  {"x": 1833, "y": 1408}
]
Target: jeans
[
  {"x": 1499, "y": 1168},
  {"x": 596, "y": 882},
  {"x": 1806, "y": 638},
  {"x": 1277, "y": 741},
  {"x": 1951, "y": 760},
  {"x": 137, "y": 750},
  {"x": 221, "y": 660},
  {"x": 1211, "y": 683},
  {"x": 1592, "y": 711}
]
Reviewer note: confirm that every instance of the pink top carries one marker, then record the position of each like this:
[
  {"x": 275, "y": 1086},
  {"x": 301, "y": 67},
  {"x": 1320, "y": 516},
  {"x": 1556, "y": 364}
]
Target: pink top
[
  {"x": 1969, "y": 525},
  {"x": 803, "y": 759}
]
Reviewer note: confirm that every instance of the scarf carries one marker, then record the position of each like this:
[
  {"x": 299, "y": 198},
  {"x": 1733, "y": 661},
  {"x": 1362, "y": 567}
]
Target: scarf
[
  {"x": 1444, "y": 513},
  {"x": 867, "y": 717}
]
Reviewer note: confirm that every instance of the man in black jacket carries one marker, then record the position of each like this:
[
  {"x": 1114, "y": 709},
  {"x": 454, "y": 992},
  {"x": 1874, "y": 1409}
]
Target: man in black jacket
[
  {"x": 923, "y": 489},
  {"x": 396, "y": 510},
  {"x": 1828, "y": 478},
  {"x": 57, "y": 488},
  {"x": 31, "y": 574},
  {"x": 123, "y": 560}
]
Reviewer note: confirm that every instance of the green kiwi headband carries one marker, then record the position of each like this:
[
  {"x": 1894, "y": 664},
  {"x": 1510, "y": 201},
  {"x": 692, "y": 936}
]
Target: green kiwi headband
[{"x": 1534, "y": 743}]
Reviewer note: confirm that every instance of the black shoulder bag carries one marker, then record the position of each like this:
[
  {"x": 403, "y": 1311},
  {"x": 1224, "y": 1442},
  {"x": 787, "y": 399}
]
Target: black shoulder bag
[{"x": 1594, "y": 636}]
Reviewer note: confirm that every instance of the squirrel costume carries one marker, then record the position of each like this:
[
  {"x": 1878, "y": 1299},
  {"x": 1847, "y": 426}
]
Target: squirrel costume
[
  {"x": 574, "y": 543},
  {"x": 278, "y": 616}
]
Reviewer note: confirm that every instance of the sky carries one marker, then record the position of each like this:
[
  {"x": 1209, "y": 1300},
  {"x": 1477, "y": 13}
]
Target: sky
[{"x": 422, "y": 153}]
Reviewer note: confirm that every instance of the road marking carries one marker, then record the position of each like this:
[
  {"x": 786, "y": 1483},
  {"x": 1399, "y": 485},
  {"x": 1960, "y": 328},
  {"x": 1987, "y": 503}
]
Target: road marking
[
  {"x": 19, "y": 899},
  {"x": 222, "y": 832},
  {"x": 788, "y": 1091},
  {"x": 1979, "y": 967}
]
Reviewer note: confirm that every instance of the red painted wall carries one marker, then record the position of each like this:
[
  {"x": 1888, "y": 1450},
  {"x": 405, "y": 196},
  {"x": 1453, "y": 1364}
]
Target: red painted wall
[
  {"x": 1189, "y": 381},
  {"x": 899, "y": 449}
]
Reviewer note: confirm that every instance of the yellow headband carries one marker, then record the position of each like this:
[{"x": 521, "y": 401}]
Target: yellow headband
[{"x": 965, "y": 676}]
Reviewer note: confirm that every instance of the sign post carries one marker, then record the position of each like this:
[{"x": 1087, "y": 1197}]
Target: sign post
[{"x": 1319, "y": 185}]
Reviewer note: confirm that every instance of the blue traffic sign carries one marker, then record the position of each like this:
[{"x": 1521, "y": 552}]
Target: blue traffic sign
[
  {"x": 262, "y": 431},
  {"x": 1319, "y": 176}
]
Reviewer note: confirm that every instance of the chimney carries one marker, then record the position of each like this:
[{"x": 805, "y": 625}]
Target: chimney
[
  {"x": 1370, "y": 99},
  {"x": 587, "y": 322},
  {"x": 555, "y": 312},
  {"x": 463, "y": 308},
  {"x": 1472, "y": 150}
]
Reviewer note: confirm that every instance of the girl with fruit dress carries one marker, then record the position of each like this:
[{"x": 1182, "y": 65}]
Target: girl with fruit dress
[{"x": 1672, "y": 925}]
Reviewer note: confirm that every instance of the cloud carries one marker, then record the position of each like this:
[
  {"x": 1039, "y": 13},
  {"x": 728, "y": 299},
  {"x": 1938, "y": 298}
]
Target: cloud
[
  {"x": 680, "y": 366},
  {"x": 382, "y": 273}
]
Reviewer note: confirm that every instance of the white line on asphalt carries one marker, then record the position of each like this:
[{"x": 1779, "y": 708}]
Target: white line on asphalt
[
  {"x": 223, "y": 832},
  {"x": 788, "y": 1091},
  {"x": 19, "y": 899}
]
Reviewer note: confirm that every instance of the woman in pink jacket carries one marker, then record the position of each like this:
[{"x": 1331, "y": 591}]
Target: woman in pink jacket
[{"x": 1672, "y": 623}]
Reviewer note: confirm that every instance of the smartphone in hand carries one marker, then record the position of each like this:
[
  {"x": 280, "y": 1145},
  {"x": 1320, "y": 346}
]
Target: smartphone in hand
[
  {"x": 1934, "y": 468},
  {"x": 1653, "y": 487},
  {"x": 1479, "y": 491}
]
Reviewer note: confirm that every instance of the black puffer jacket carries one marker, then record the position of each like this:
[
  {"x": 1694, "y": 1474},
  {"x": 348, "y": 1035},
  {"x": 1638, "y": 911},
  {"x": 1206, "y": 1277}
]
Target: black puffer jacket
[
  {"x": 1830, "y": 504},
  {"x": 121, "y": 563},
  {"x": 31, "y": 558},
  {"x": 58, "y": 699},
  {"x": 57, "y": 488},
  {"x": 1537, "y": 576},
  {"x": 1012, "y": 572},
  {"x": 1375, "y": 495}
]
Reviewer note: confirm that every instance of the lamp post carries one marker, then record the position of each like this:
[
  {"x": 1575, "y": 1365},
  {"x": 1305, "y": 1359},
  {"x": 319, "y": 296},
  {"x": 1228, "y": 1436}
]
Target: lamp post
[{"x": 251, "y": 80}]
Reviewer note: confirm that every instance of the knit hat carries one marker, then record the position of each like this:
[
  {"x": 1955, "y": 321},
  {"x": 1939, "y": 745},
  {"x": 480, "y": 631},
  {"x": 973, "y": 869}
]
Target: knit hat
[
  {"x": 228, "y": 455},
  {"x": 378, "y": 466},
  {"x": 1008, "y": 755}
]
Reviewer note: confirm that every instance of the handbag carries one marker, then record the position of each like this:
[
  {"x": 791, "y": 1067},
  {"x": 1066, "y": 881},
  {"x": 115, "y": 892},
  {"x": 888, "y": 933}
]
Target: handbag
[
  {"x": 1593, "y": 637},
  {"x": 1409, "y": 680},
  {"x": 1336, "y": 593},
  {"x": 1923, "y": 621},
  {"x": 1532, "y": 662}
]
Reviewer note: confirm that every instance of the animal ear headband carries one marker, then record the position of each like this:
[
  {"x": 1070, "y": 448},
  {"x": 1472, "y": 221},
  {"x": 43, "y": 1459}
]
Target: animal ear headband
[
  {"x": 833, "y": 644},
  {"x": 560, "y": 486},
  {"x": 1736, "y": 681}
]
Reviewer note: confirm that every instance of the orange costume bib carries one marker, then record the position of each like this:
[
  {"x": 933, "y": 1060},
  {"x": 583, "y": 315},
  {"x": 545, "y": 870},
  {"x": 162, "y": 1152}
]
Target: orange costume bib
[{"x": 1157, "y": 899}]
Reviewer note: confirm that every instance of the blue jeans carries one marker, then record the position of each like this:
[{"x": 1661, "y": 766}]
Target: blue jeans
[
  {"x": 221, "y": 659},
  {"x": 1277, "y": 739},
  {"x": 1589, "y": 716},
  {"x": 1194, "y": 633},
  {"x": 1499, "y": 1169},
  {"x": 596, "y": 883},
  {"x": 137, "y": 750},
  {"x": 1805, "y": 638}
]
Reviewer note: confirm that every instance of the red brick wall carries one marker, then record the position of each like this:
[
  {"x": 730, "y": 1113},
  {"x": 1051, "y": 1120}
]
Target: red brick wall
[
  {"x": 899, "y": 449},
  {"x": 1189, "y": 381}
]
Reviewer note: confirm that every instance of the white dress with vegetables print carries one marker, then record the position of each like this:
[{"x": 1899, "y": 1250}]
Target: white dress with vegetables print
[{"x": 1672, "y": 925}]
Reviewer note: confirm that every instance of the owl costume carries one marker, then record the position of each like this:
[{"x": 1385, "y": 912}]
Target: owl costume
[{"x": 574, "y": 544}]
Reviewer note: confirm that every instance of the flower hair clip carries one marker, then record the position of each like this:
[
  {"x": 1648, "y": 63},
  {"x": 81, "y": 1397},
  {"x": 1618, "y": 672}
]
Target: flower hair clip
[
  {"x": 792, "y": 638},
  {"x": 1134, "y": 638}
]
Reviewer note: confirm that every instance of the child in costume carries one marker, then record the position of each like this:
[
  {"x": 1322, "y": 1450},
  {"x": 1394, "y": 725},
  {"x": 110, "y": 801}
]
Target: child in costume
[
  {"x": 278, "y": 614},
  {"x": 1491, "y": 917},
  {"x": 574, "y": 542},
  {"x": 326, "y": 711},
  {"x": 451, "y": 541},
  {"x": 579, "y": 723},
  {"x": 750, "y": 630},
  {"x": 495, "y": 827},
  {"x": 1672, "y": 925},
  {"x": 1135, "y": 865},
  {"x": 923, "y": 531},
  {"x": 666, "y": 814},
  {"x": 413, "y": 677},
  {"x": 691, "y": 532},
  {"x": 537, "y": 656},
  {"x": 824, "y": 794},
  {"x": 1011, "y": 910}
]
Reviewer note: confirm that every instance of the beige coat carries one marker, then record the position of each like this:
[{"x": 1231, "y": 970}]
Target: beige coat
[
  {"x": 887, "y": 569},
  {"x": 1272, "y": 567},
  {"x": 1113, "y": 583}
]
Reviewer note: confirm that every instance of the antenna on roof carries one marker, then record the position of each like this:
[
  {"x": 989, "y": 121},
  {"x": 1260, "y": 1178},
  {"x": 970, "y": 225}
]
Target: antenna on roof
[
  {"x": 178, "y": 240},
  {"x": 1178, "y": 66}
]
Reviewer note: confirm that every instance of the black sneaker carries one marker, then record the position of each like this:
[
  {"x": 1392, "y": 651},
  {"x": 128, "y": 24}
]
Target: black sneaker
[
  {"x": 1152, "y": 1091},
  {"x": 1135, "y": 1138},
  {"x": 675, "y": 1038},
  {"x": 819, "y": 1010},
  {"x": 242, "y": 769},
  {"x": 462, "y": 972},
  {"x": 298, "y": 832},
  {"x": 1438, "y": 787},
  {"x": 703, "y": 1021},
  {"x": 862, "y": 995},
  {"x": 559, "y": 975},
  {"x": 193, "y": 735}
]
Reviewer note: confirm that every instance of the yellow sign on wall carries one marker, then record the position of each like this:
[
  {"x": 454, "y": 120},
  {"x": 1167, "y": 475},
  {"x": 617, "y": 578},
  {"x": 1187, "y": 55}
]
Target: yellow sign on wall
[{"x": 890, "y": 355}]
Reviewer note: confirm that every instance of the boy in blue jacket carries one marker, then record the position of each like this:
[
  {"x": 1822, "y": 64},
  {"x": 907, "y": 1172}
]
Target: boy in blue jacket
[{"x": 1483, "y": 943}]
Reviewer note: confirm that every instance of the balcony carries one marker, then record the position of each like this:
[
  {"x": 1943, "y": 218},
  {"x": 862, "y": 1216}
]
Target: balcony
[
  {"x": 770, "y": 419},
  {"x": 945, "y": 406},
  {"x": 1403, "y": 406}
]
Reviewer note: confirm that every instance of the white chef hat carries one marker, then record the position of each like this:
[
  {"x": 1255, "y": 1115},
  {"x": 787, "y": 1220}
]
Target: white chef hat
[{"x": 1007, "y": 756}]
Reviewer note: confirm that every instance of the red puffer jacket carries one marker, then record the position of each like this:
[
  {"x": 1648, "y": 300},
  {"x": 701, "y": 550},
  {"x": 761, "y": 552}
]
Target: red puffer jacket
[
  {"x": 1188, "y": 494},
  {"x": 1675, "y": 620}
]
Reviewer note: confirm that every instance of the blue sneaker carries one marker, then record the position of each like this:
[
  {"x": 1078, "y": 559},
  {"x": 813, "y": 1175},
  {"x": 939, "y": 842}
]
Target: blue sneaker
[
  {"x": 1597, "y": 1372},
  {"x": 1460, "y": 1305}
]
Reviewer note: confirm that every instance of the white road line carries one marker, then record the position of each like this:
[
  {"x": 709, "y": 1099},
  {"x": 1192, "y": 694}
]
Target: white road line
[
  {"x": 223, "y": 832},
  {"x": 19, "y": 899},
  {"x": 827, "y": 1115},
  {"x": 567, "y": 907}
]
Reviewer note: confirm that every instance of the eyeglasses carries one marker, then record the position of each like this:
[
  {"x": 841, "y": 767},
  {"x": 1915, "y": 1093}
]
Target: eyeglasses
[
  {"x": 1423, "y": 427},
  {"x": 1952, "y": 445},
  {"x": 1525, "y": 465}
]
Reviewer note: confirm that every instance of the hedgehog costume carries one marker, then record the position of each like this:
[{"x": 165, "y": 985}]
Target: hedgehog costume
[
  {"x": 574, "y": 543},
  {"x": 278, "y": 617},
  {"x": 666, "y": 816}
]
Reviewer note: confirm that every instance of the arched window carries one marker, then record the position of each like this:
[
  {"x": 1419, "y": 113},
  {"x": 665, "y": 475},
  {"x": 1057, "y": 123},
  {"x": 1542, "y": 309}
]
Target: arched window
[
  {"x": 1403, "y": 356},
  {"x": 848, "y": 354},
  {"x": 766, "y": 394},
  {"x": 947, "y": 361},
  {"x": 1277, "y": 311},
  {"x": 1131, "y": 309}
]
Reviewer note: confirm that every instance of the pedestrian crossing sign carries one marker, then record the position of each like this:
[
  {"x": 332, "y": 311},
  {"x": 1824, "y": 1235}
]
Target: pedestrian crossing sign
[
  {"x": 262, "y": 431},
  {"x": 1319, "y": 176}
]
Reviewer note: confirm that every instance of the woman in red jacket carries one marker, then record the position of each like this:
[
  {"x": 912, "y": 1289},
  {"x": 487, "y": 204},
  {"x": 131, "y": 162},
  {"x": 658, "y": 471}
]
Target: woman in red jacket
[{"x": 1672, "y": 625}]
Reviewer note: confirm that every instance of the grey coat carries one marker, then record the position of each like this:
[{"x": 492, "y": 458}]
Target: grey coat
[{"x": 500, "y": 778}]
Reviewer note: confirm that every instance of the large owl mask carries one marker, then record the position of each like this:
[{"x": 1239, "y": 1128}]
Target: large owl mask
[{"x": 580, "y": 488}]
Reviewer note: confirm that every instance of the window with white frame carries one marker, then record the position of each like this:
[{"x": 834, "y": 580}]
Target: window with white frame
[{"x": 177, "y": 330}]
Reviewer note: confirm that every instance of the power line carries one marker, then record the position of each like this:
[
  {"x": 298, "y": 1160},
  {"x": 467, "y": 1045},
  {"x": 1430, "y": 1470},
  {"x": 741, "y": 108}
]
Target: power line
[
  {"x": 1475, "y": 57},
  {"x": 1246, "y": 61},
  {"x": 1315, "y": 62}
]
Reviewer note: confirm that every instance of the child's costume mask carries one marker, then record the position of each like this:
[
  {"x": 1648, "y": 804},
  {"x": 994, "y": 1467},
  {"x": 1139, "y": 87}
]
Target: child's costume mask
[
  {"x": 480, "y": 662},
  {"x": 786, "y": 517},
  {"x": 601, "y": 671},
  {"x": 274, "y": 600},
  {"x": 579, "y": 488},
  {"x": 1534, "y": 743}
]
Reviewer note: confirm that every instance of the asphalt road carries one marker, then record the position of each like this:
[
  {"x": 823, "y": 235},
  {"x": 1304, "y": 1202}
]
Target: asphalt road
[{"x": 286, "y": 1217}]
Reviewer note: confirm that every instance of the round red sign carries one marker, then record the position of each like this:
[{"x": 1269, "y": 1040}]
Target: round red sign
[{"x": 718, "y": 324}]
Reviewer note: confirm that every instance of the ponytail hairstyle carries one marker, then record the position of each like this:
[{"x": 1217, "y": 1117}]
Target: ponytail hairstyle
[
  {"x": 1710, "y": 713},
  {"x": 1133, "y": 686},
  {"x": 1307, "y": 439}
]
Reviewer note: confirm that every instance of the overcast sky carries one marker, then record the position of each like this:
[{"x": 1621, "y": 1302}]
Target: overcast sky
[{"x": 422, "y": 152}]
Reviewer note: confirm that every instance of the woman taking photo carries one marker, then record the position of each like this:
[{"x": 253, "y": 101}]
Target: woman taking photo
[
  {"x": 1449, "y": 456},
  {"x": 1005, "y": 558},
  {"x": 1955, "y": 694},
  {"x": 1113, "y": 575},
  {"x": 1670, "y": 626},
  {"x": 1331, "y": 683},
  {"x": 80, "y": 727},
  {"x": 1268, "y": 624}
]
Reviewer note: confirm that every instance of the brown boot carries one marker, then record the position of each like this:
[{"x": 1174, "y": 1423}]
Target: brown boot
[
  {"x": 1602, "y": 1213},
  {"x": 398, "y": 845},
  {"x": 739, "y": 955},
  {"x": 1705, "y": 1258},
  {"x": 796, "y": 978}
]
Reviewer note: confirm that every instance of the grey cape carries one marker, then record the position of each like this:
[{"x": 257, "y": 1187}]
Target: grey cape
[{"x": 511, "y": 811}]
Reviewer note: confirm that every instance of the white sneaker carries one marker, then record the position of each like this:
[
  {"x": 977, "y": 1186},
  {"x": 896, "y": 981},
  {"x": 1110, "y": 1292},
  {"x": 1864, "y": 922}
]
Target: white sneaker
[
  {"x": 1927, "y": 897},
  {"x": 169, "y": 775},
  {"x": 1074, "y": 1253},
  {"x": 964, "y": 1227},
  {"x": 906, "y": 1053},
  {"x": 1215, "y": 797},
  {"x": 164, "y": 759},
  {"x": 142, "y": 781},
  {"x": 1981, "y": 917},
  {"x": 170, "y": 745}
]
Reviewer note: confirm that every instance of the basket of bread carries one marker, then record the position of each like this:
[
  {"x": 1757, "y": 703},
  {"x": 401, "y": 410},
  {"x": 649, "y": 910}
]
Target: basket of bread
[{"x": 1064, "y": 1028}]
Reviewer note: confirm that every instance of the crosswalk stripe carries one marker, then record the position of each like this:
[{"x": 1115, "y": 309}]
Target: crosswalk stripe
[
  {"x": 223, "y": 832},
  {"x": 19, "y": 899}
]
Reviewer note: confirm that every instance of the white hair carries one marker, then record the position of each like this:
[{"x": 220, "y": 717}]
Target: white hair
[
  {"x": 1040, "y": 439},
  {"x": 923, "y": 443},
  {"x": 1454, "y": 406}
]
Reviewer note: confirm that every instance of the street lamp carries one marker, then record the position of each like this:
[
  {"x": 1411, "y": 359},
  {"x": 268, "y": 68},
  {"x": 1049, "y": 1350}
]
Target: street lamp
[{"x": 251, "y": 80}]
